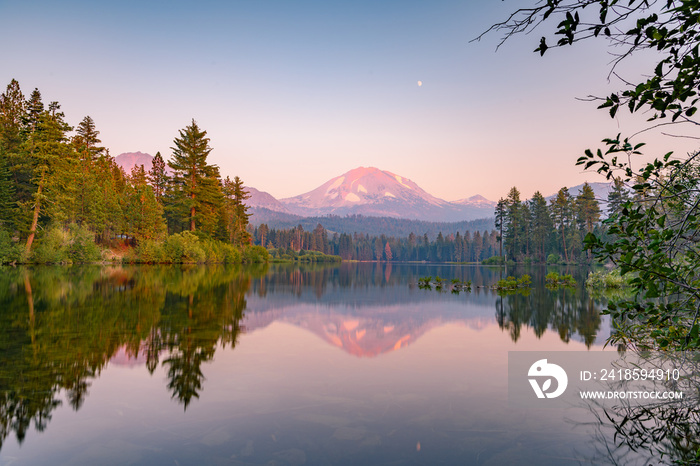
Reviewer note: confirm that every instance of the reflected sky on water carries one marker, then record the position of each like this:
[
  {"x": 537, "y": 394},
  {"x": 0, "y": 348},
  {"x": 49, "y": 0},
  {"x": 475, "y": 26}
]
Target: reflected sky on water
[{"x": 349, "y": 364}]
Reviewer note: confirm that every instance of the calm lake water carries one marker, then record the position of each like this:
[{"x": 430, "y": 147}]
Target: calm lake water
[{"x": 346, "y": 364}]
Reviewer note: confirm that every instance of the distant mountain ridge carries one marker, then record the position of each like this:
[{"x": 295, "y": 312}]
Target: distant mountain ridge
[
  {"x": 263, "y": 200},
  {"x": 373, "y": 226},
  {"x": 477, "y": 201}
]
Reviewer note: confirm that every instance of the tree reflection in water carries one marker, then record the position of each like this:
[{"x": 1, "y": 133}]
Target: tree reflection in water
[
  {"x": 59, "y": 328},
  {"x": 568, "y": 310}
]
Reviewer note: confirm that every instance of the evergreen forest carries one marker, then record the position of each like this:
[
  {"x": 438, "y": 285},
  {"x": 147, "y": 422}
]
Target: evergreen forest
[{"x": 63, "y": 199}]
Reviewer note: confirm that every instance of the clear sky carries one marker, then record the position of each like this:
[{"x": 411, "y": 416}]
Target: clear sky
[{"x": 293, "y": 93}]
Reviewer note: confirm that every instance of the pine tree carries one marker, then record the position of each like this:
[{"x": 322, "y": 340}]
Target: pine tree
[
  {"x": 7, "y": 192},
  {"x": 13, "y": 135},
  {"x": 320, "y": 238},
  {"x": 86, "y": 140},
  {"x": 617, "y": 197},
  {"x": 158, "y": 177},
  {"x": 143, "y": 214},
  {"x": 12, "y": 113},
  {"x": 541, "y": 225},
  {"x": 47, "y": 146},
  {"x": 35, "y": 107},
  {"x": 515, "y": 228},
  {"x": 197, "y": 181},
  {"x": 500, "y": 215},
  {"x": 241, "y": 209},
  {"x": 378, "y": 249},
  {"x": 236, "y": 211},
  {"x": 561, "y": 209},
  {"x": 588, "y": 210},
  {"x": 387, "y": 252}
]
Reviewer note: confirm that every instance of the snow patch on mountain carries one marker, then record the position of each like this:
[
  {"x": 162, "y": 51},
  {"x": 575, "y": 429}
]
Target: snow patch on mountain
[{"x": 335, "y": 184}]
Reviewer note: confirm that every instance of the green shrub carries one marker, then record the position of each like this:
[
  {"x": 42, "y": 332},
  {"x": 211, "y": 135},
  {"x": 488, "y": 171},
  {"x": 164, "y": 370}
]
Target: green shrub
[
  {"x": 184, "y": 248},
  {"x": 554, "y": 280},
  {"x": 213, "y": 250},
  {"x": 493, "y": 260},
  {"x": 52, "y": 247},
  {"x": 553, "y": 259},
  {"x": 255, "y": 254},
  {"x": 231, "y": 254},
  {"x": 149, "y": 251},
  {"x": 82, "y": 247},
  {"x": 551, "y": 278},
  {"x": 524, "y": 281},
  {"x": 606, "y": 280},
  {"x": 60, "y": 245}
]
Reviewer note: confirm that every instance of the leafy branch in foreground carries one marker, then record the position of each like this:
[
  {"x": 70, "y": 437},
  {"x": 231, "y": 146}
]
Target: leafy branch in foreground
[
  {"x": 669, "y": 27},
  {"x": 656, "y": 234}
]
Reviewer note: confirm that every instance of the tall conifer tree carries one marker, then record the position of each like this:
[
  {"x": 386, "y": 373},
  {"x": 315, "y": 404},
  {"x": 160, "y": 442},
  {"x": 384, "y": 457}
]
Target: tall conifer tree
[
  {"x": 541, "y": 225},
  {"x": 35, "y": 107},
  {"x": 198, "y": 182},
  {"x": 562, "y": 216},
  {"x": 47, "y": 145},
  {"x": 236, "y": 211},
  {"x": 86, "y": 140},
  {"x": 12, "y": 113},
  {"x": 588, "y": 210},
  {"x": 158, "y": 177},
  {"x": 7, "y": 192},
  {"x": 617, "y": 197}
]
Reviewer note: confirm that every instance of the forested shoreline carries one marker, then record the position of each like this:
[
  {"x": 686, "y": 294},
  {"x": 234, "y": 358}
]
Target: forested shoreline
[
  {"x": 533, "y": 232},
  {"x": 64, "y": 199}
]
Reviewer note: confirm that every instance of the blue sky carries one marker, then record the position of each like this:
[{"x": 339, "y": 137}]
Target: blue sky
[{"x": 294, "y": 93}]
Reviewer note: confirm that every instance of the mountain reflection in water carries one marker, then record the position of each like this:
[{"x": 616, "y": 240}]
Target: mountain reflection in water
[{"x": 60, "y": 327}]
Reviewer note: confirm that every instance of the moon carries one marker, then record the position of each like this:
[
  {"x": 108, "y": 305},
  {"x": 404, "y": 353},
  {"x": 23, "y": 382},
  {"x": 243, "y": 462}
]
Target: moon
[{"x": 420, "y": 83}]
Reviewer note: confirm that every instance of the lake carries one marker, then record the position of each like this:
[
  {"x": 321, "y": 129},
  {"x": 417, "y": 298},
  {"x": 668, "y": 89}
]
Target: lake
[{"x": 281, "y": 364}]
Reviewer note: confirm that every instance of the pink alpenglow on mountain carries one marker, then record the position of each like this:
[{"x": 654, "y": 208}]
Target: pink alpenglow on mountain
[
  {"x": 373, "y": 192},
  {"x": 367, "y": 191}
]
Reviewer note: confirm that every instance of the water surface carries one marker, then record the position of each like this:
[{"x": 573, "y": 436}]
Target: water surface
[{"x": 348, "y": 364}]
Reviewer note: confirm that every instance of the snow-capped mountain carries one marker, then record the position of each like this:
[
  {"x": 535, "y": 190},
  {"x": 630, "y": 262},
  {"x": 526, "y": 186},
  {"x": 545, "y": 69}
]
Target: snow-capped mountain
[{"x": 373, "y": 192}]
